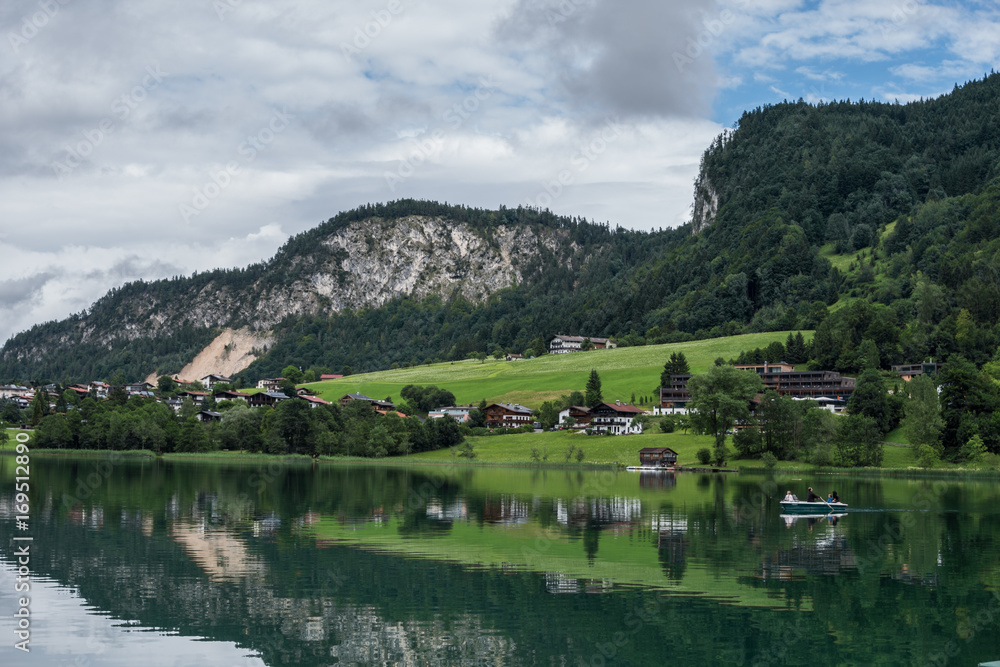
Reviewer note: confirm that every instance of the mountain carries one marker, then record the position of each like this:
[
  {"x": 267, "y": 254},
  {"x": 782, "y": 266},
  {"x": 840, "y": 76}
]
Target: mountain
[
  {"x": 374, "y": 260},
  {"x": 863, "y": 220}
]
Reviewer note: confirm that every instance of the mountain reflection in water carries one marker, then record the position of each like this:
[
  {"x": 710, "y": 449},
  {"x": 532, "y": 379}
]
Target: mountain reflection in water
[{"x": 353, "y": 565}]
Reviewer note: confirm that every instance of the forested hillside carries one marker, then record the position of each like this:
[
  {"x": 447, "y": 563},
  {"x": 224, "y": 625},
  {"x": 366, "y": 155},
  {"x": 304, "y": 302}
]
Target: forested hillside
[{"x": 860, "y": 220}]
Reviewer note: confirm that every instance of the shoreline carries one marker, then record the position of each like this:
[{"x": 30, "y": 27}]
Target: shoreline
[{"x": 286, "y": 459}]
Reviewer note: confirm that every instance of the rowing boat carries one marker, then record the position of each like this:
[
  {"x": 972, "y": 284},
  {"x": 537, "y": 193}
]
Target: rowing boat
[{"x": 805, "y": 507}]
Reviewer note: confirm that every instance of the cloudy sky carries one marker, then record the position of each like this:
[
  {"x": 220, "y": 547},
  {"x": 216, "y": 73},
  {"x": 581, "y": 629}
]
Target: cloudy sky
[{"x": 151, "y": 139}]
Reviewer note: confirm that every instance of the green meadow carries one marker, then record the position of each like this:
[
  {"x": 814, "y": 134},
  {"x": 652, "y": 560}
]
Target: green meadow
[
  {"x": 623, "y": 371},
  {"x": 11, "y": 438},
  {"x": 597, "y": 449}
]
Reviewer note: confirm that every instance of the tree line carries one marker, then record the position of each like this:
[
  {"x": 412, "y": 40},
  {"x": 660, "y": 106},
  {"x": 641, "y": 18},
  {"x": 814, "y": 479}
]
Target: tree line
[{"x": 290, "y": 427}]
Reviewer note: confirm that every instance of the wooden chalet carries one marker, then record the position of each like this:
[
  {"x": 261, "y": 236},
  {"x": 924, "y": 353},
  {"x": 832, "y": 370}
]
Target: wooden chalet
[
  {"x": 196, "y": 396},
  {"x": 347, "y": 398},
  {"x": 232, "y": 396},
  {"x": 268, "y": 398},
  {"x": 910, "y": 371},
  {"x": 507, "y": 415},
  {"x": 580, "y": 414},
  {"x": 657, "y": 457}
]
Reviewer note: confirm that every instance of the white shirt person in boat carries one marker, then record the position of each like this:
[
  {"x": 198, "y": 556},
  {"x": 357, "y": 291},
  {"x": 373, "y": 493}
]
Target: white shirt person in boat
[{"x": 790, "y": 498}]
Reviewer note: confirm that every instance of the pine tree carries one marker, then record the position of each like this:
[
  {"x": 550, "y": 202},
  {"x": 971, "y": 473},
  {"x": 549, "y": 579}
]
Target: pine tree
[
  {"x": 676, "y": 365},
  {"x": 593, "y": 397}
]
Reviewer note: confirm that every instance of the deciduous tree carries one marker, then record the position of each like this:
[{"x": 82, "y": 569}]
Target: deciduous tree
[{"x": 719, "y": 398}]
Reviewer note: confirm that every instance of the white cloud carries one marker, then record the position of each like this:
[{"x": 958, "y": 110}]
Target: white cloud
[
  {"x": 949, "y": 69},
  {"x": 855, "y": 30},
  {"x": 813, "y": 74},
  {"x": 53, "y": 283}
]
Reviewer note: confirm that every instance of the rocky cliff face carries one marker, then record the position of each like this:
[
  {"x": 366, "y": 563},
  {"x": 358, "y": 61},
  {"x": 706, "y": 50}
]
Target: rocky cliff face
[
  {"x": 372, "y": 262},
  {"x": 706, "y": 204},
  {"x": 363, "y": 264},
  {"x": 421, "y": 257}
]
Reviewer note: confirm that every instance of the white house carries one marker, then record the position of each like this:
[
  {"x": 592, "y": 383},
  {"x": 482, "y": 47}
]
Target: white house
[
  {"x": 459, "y": 413},
  {"x": 12, "y": 390},
  {"x": 616, "y": 418},
  {"x": 210, "y": 381},
  {"x": 566, "y": 344},
  {"x": 269, "y": 384}
]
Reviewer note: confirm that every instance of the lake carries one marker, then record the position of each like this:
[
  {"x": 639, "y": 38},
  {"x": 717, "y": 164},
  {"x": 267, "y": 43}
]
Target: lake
[{"x": 171, "y": 563}]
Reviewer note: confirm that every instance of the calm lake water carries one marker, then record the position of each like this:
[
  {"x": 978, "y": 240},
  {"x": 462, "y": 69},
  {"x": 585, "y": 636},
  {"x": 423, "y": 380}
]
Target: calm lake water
[{"x": 238, "y": 565}]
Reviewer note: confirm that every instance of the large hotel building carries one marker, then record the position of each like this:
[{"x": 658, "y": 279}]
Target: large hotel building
[{"x": 828, "y": 387}]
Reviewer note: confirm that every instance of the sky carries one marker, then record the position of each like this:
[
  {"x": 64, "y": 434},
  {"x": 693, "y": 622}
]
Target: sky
[{"x": 143, "y": 140}]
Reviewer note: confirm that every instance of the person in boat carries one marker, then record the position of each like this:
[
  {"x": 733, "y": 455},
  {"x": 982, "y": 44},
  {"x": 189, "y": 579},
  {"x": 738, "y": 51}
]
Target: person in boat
[
  {"x": 790, "y": 497},
  {"x": 834, "y": 498},
  {"x": 813, "y": 498}
]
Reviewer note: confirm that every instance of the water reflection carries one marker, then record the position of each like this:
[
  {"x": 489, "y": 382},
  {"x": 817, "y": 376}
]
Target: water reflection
[{"x": 320, "y": 565}]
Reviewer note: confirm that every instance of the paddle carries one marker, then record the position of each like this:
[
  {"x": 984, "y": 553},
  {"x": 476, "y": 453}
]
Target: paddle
[
  {"x": 823, "y": 499},
  {"x": 827, "y": 504}
]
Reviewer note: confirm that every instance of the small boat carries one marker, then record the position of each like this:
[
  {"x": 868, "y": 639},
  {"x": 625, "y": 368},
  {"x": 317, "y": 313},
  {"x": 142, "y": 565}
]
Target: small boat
[
  {"x": 793, "y": 516},
  {"x": 805, "y": 507}
]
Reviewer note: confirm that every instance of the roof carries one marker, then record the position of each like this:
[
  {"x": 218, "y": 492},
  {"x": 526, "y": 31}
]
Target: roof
[
  {"x": 580, "y": 339},
  {"x": 656, "y": 450},
  {"x": 210, "y": 413},
  {"x": 314, "y": 399},
  {"x": 330, "y": 377},
  {"x": 513, "y": 407},
  {"x": 357, "y": 397},
  {"x": 272, "y": 394},
  {"x": 624, "y": 407}
]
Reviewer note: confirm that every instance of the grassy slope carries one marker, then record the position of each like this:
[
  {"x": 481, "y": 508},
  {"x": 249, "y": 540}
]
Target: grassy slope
[
  {"x": 11, "y": 433},
  {"x": 840, "y": 262},
  {"x": 597, "y": 449},
  {"x": 623, "y": 371},
  {"x": 619, "y": 449}
]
